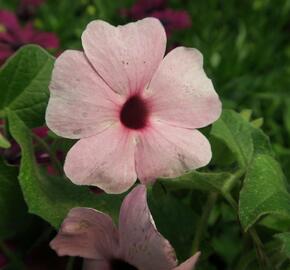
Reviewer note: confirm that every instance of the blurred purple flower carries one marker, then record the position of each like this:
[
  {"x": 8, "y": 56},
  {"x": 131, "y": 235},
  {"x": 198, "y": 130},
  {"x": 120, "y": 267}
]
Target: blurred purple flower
[
  {"x": 41, "y": 132},
  {"x": 13, "y": 154},
  {"x": 13, "y": 35},
  {"x": 170, "y": 18},
  {"x": 144, "y": 7},
  {"x": 28, "y": 8},
  {"x": 3, "y": 260},
  {"x": 32, "y": 3},
  {"x": 173, "y": 19}
]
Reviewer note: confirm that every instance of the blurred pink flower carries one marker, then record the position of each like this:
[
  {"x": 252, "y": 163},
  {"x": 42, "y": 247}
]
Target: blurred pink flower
[
  {"x": 170, "y": 18},
  {"x": 13, "y": 35},
  {"x": 137, "y": 244},
  {"x": 136, "y": 114}
]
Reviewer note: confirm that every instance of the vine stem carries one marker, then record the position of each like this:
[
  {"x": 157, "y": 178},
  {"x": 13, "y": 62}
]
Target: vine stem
[
  {"x": 56, "y": 163},
  {"x": 11, "y": 256},
  {"x": 70, "y": 263},
  {"x": 229, "y": 185},
  {"x": 201, "y": 226},
  {"x": 262, "y": 258},
  {"x": 43, "y": 237}
]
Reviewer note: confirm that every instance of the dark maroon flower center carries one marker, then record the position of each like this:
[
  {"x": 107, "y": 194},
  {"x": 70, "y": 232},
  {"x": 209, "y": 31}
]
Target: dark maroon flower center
[
  {"x": 117, "y": 264},
  {"x": 134, "y": 113}
]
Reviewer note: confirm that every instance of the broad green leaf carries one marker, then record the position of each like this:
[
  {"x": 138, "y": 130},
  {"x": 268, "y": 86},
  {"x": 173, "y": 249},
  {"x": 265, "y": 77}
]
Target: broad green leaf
[
  {"x": 264, "y": 191},
  {"x": 12, "y": 206},
  {"x": 285, "y": 239},
  {"x": 234, "y": 131},
  {"x": 24, "y": 83},
  {"x": 198, "y": 180},
  {"x": 4, "y": 143},
  {"x": 175, "y": 220},
  {"x": 241, "y": 137},
  {"x": 287, "y": 116},
  {"x": 52, "y": 197}
]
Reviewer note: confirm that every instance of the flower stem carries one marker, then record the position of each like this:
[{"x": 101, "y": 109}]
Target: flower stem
[
  {"x": 42, "y": 238},
  {"x": 201, "y": 226},
  {"x": 262, "y": 258},
  {"x": 15, "y": 261},
  {"x": 70, "y": 263},
  {"x": 229, "y": 185}
]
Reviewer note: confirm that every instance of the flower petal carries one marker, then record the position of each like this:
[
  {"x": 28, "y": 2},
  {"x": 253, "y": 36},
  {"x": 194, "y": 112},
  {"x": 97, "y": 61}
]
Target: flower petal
[
  {"x": 86, "y": 233},
  {"x": 140, "y": 242},
  {"x": 46, "y": 40},
  {"x": 125, "y": 56},
  {"x": 173, "y": 19},
  {"x": 181, "y": 93},
  {"x": 96, "y": 265},
  {"x": 105, "y": 160},
  {"x": 166, "y": 151},
  {"x": 9, "y": 20},
  {"x": 5, "y": 52},
  {"x": 80, "y": 103},
  {"x": 189, "y": 264}
]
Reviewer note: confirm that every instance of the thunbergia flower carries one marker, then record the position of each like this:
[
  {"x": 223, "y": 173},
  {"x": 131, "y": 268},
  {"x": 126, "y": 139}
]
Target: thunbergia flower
[
  {"x": 170, "y": 18},
  {"x": 135, "y": 114},
  {"x": 13, "y": 35},
  {"x": 136, "y": 244}
]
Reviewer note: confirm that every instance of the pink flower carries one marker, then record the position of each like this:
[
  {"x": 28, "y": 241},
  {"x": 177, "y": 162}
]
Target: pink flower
[
  {"x": 13, "y": 36},
  {"x": 136, "y": 114},
  {"x": 135, "y": 245}
]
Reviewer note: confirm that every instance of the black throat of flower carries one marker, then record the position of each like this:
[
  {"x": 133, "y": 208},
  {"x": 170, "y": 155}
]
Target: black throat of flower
[
  {"x": 118, "y": 264},
  {"x": 134, "y": 113}
]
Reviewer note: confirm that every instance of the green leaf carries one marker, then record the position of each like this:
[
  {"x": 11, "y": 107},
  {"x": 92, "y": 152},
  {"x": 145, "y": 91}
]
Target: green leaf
[
  {"x": 12, "y": 206},
  {"x": 257, "y": 123},
  {"x": 168, "y": 212},
  {"x": 287, "y": 116},
  {"x": 285, "y": 239},
  {"x": 52, "y": 197},
  {"x": 241, "y": 137},
  {"x": 4, "y": 143},
  {"x": 215, "y": 182},
  {"x": 24, "y": 83},
  {"x": 246, "y": 114},
  {"x": 264, "y": 191}
]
